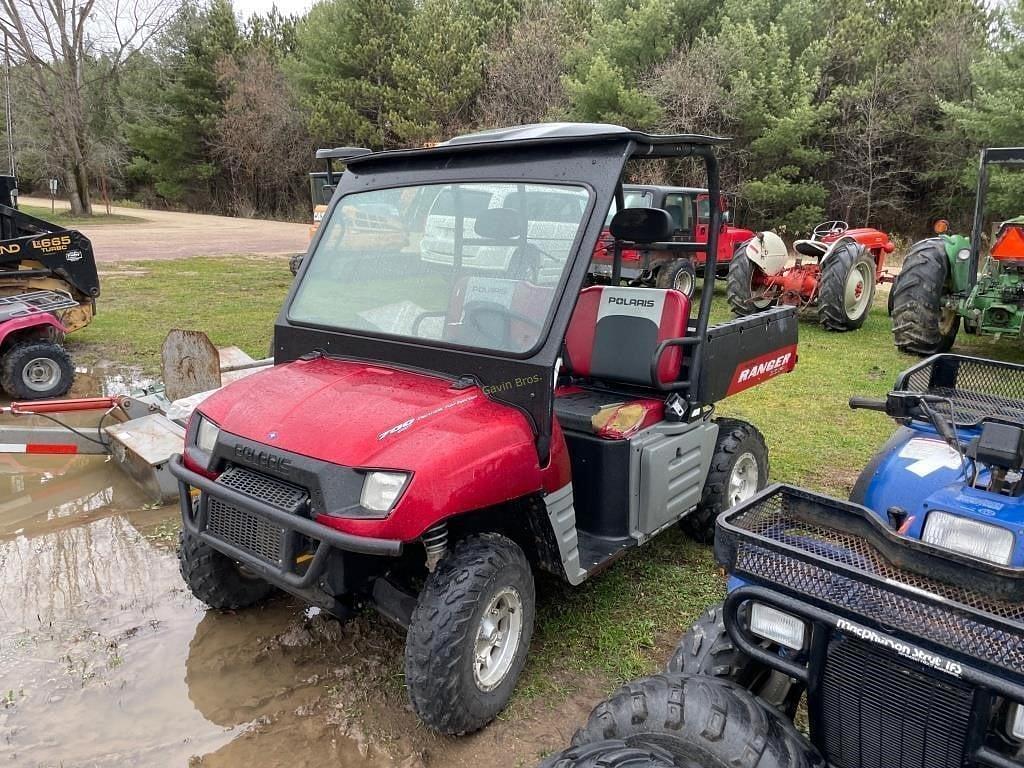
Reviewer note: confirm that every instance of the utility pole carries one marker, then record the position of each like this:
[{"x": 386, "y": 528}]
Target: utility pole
[{"x": 9, "y": 124}]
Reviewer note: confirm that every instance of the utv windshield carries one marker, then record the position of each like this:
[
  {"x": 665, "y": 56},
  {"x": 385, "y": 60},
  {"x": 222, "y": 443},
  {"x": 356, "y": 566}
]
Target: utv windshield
[{"x": 470, "y": 264}]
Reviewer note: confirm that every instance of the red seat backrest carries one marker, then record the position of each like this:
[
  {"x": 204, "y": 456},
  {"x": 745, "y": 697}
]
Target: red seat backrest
[{"x": 614, "y": 333}]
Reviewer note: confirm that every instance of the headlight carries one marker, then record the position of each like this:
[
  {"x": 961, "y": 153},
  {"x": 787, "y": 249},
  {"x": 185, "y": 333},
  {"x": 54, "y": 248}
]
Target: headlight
[
  {"x": 963, "y": 254},
  {"x": 1015, "y": 722},
  {"x": 381, "y": 490},
  {"x": 777, "y": 626},
  {"x": 206, "y": 434},
  {"x": 969, "y": 537}
]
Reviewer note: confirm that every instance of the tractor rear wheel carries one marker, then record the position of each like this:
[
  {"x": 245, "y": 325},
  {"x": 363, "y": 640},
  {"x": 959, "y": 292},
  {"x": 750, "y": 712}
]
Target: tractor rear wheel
[
  {"x": 922, "y": 323},
  {"x": 739, "y": 469},
  {"x": 743, "y": 285},
  {"x": 708, "y": 649},
  {"x": 701, "y": 720},
  {"x": 36, "y": 370},
  {"x": 846, "y": 287},
  {"x": 679, "y": 275}
]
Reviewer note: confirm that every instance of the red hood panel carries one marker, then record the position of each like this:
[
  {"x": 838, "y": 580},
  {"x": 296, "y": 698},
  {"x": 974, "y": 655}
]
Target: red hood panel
[{"x": 352, "y": 413}]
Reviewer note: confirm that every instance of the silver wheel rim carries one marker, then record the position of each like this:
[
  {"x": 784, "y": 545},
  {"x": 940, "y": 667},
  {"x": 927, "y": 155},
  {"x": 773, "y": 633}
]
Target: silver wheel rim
[
  {"x": 41, "y": 374},
  {"x": 858, "y": 290},
  {"x": 497, "y": 639},
  {"x": 684, "y": 282},
  {"x": 743, "y": 479}
]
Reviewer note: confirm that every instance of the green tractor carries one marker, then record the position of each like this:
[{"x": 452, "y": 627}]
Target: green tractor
[{"x": 940, "y": 285}]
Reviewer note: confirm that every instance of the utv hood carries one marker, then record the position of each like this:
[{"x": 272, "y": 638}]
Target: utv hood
[{"x": 361, "y": 415}]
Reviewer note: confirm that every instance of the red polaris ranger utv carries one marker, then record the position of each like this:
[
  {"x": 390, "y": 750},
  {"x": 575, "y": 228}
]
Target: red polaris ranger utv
[{"x": 451, "y": 409}]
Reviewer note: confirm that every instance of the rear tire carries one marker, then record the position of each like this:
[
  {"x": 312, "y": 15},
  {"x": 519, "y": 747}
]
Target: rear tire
[
  {"x": 36, "y": 370},
  {"x": 613, "y": 754},
  {"x": 921, "y": 324},
  {"x": 708, "y": 721},
  {"x": 739, "y": 469},
  {"x": 215, "y": 578},
  {"x": 679, "y": 275},
  {"x": 739, "y": 285},
  {"x": 846, "y": 287},
  {"x": 449, "y": 687}
]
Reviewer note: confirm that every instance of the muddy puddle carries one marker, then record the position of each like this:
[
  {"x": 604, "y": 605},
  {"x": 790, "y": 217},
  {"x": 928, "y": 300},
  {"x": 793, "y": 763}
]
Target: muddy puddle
[{"x": 106, "y": 660}]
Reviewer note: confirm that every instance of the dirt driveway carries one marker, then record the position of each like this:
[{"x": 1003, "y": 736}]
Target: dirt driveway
[{"x": 174, "y": 235}]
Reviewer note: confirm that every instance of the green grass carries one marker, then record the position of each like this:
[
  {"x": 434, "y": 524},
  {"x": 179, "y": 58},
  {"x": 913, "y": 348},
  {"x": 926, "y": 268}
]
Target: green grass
[
  {"x": 64, "y": 218},
  {"x": 622, "y": 623}
]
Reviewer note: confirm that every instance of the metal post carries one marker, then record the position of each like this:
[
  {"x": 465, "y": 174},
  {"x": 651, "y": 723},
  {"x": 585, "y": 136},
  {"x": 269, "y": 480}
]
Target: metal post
[
  {"x": 707, "y": 286},
  {"x": 9, "y": 120},
  {"x": 979, "y": 221}
]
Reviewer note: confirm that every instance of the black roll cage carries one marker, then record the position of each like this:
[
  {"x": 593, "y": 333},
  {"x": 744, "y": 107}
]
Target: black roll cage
[
  {"x": 1013, "y": 156},
  {"x": 592, "y": 156}
]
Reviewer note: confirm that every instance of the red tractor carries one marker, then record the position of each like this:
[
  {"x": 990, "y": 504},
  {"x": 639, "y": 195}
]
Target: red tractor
[
  {"x": 439, "y": 422},
  {"x": 834, "y": 273},
  {"x": 690, "y": 209}
]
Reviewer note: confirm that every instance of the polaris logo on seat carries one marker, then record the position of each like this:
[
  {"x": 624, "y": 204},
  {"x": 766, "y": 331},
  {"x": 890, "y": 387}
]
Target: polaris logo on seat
[
  {"x": 761, "y": 369},
  {"x": 622, "y": 302}
]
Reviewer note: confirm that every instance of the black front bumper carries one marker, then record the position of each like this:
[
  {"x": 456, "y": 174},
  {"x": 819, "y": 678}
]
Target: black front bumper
[{"x": 292, "y": 535}]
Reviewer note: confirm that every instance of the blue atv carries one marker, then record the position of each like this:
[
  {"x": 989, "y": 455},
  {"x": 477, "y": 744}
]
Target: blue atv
[
  {"x": 951, "y": 475},
  {"x": 906, "y": 654}
]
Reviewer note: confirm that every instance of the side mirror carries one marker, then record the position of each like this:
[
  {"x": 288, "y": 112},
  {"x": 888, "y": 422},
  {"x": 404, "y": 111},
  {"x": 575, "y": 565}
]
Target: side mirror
[
  {"x": 497, "y": 224},
  {"x": 642, "y": 225}
]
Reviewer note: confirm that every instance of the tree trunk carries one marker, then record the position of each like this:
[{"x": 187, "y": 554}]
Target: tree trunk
[
  {"x": 81, "y": 175},
  {"x": 72, "y": 187}
]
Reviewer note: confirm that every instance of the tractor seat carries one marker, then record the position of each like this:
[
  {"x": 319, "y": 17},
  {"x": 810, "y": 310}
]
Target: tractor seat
[
  {"x": 609, "y": 347},
  {"x": 812, "y": 248}
]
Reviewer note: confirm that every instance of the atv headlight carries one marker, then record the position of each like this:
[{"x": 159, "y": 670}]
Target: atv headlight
[
  {"x": 1015, "y": 722},
  {"x": 206, "y": 434},
  {"x": 381, "y": 490},
  {"x": 969, "y": 537},
  {"x": 779, "y": 627},
  {"x": 963, "y": 254}
]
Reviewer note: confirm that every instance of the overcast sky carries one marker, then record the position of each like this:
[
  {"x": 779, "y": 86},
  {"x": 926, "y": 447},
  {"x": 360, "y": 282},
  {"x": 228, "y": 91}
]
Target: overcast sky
[{"x": 246, "y": 8}]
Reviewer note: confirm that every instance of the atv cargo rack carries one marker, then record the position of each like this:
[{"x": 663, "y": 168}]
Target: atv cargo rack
[
  {"x": 895, "y": 631},
  {"x": 974, "y": 387},
  {"x": 34, "y": 303}
]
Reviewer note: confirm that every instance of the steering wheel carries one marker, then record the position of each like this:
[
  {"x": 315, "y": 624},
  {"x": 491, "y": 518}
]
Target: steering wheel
[
  {"x": 826, "y": 228},
  {"x": 475, "y": 311}
]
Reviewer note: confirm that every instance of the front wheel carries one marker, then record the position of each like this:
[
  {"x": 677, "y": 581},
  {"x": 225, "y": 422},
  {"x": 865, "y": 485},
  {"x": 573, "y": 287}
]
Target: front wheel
[
  {"x": 679, "y": 275},
  {"x": 704, "y": 721},
  {"x": 216, "y": 579},
  {"x": 739, "y": 469},
  {"x": 36, "y": 370},
  {"x": 470, "y": 634},
  {"x": 925, "y": 320},
  {"x": 746, "y": 288},
  {"x": 846, "y": 287},
  {"x": 614, "y": 754}
]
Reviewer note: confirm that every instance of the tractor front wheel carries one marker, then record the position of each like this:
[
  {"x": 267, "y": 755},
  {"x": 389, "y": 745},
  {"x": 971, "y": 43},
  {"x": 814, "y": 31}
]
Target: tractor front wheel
[
  {"x": 745, "y": 287},
  {"x": 739, "y": 469},
  {"x": 680, "y": 275},
  {"x": 36, "y": 370},
  {"x": 923, "y": 323},
  {"x": 469, "y": 635},
  {"x": 700, "y": 720},
  {"x": 846, "y": 287}
]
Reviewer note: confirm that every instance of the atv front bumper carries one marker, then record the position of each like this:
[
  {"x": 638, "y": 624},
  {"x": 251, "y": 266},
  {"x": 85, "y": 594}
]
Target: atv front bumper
[{"x": 287, "y": 549}]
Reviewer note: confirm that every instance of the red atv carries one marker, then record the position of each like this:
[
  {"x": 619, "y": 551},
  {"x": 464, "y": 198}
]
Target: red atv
[
  {"x": 837, "y": 280},
  {"x": 431, "y": 434},
  {"x": 690, "y": 209}
]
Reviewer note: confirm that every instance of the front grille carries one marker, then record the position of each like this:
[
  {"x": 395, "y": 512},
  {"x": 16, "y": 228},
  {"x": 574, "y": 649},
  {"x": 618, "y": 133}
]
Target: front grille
[
  {"x": 877, "y": 712},
  {"x": 245, "y": 530},
  {"x": 269, "y": 490}
]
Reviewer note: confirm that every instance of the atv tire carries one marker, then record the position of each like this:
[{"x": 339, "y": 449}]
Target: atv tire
[
  {"x": 740, "y": 450},
  {"x": 680, "y": 275},
  {"x": 614, "y": 754},
  {"x": 921, "y": 324},
  {"x": 700, "y": 720},
  {"x": 847, "y": 266},
  {"x": 707, "y": 649},
  {"x": 36, "y": 370},
  {"x": 484, "y": 575},
  {"x": 216, "y": 579},
  {"x": 739, "y": 285}
]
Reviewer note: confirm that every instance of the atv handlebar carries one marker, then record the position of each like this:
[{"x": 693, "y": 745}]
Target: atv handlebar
[{"x": 868, "y": 403}]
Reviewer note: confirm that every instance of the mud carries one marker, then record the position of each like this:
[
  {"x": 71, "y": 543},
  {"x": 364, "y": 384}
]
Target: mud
[{"x": 106, "y": 660}]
